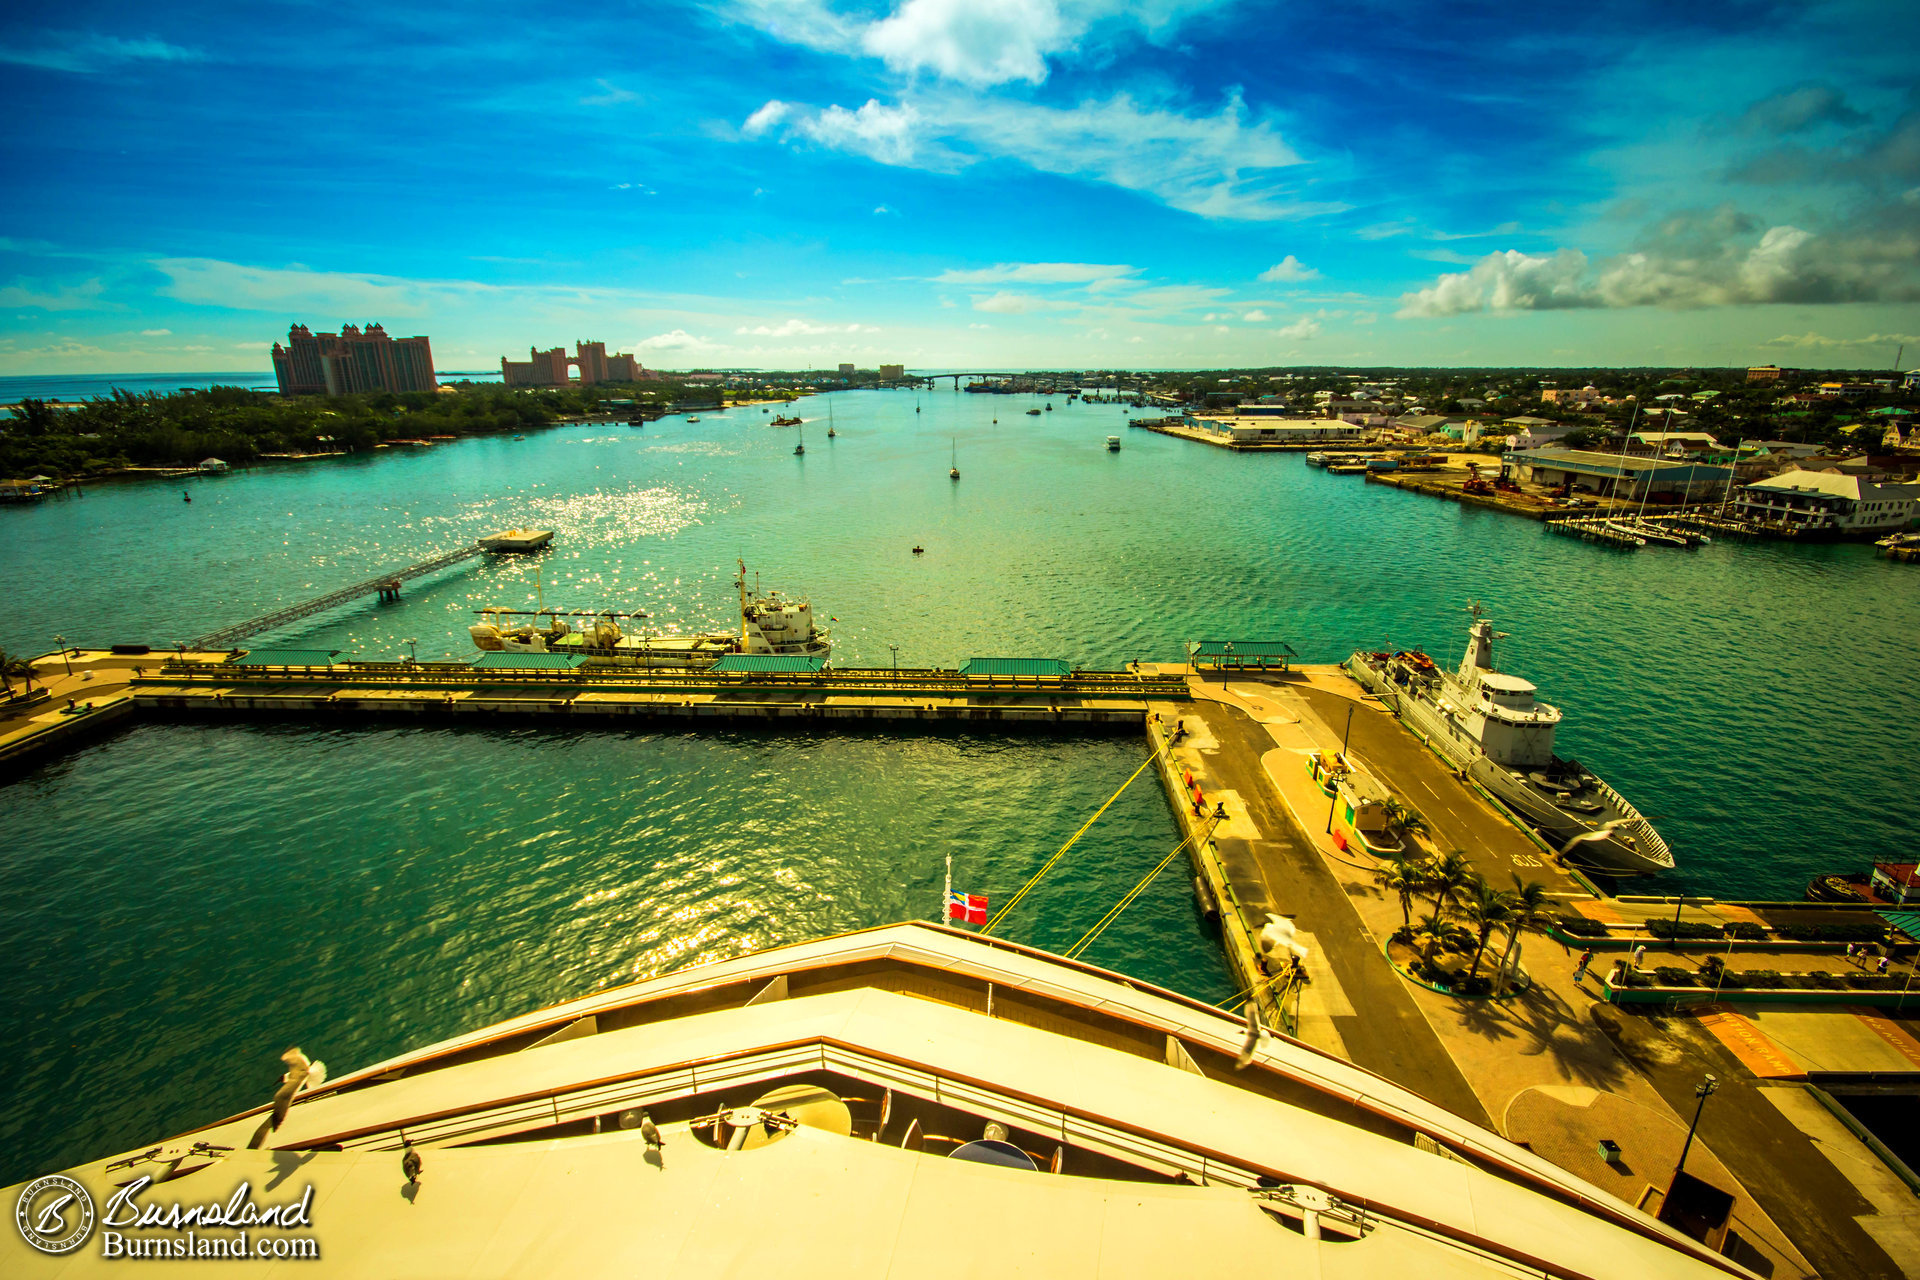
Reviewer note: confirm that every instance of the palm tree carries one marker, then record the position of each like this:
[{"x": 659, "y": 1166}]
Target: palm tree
[
  {"x": 1434, "y": 932},
  {"x": 1403, "y": 876},
  {"x": 1447, "y": 875},
  {"x": 1488, "y": 909},
  {"x": 10, "y": 666},
  {"x": 1528, "y": 908},
  {"x": 1403, "y": 820}
]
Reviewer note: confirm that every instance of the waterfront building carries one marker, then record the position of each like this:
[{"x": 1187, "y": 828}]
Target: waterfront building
[
  {"x": 1241, "y": 428},
  {"x": 846, "y": 371},
  {"x": 1675, "y": 442},
  {"x": 892, "y": 372},
  {"x": 1626, "y": 477},
  {"x": 1764, "y": 373},
  {"x": 590, "y": 363},
  {"x": 351, "y": 362},
  {"x": 1829, "y": 503}
]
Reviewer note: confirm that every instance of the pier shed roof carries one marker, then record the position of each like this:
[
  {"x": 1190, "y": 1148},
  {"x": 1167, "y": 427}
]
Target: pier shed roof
[
  {"x": 794, "y": 664},
  {"x": 528, "y": 662},
  {"x": 285, "y": 658},
  {"x": 1015, "y": 667}
]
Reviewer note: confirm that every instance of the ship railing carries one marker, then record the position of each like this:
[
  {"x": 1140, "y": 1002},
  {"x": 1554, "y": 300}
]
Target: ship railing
[{"x": 1652, "y": 845}]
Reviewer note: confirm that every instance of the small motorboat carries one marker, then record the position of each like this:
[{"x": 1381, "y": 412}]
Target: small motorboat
[
  {"x": 831, "y": 433},
  {"x": 185, "y": 496},
  {"x": 919, "y": 550},
  {"x": 693, "y": 418},
  {"x": 1113, "y": 444}
]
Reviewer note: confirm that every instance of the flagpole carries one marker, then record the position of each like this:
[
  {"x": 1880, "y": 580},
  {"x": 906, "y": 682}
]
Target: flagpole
[{"x": 946, "y": 897}]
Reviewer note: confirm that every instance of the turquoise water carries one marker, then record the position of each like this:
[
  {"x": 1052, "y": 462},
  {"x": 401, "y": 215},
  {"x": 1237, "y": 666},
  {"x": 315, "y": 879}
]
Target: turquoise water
[{"x": 1759, "y": 699}]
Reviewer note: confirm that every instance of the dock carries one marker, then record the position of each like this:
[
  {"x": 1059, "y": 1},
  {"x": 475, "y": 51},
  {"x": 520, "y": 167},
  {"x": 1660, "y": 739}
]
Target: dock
[{"x": 1563, "y": 1065}]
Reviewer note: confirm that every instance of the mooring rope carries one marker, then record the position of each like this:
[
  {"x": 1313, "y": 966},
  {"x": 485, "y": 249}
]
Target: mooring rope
[
  {"x": 1072, "y": 840},
  {"x": 1126, "y": 900}
]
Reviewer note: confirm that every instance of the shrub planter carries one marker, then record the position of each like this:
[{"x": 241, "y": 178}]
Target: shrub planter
[
  {"x": 1521, "y": 982},
  {"x": 1757, "y": 995}
]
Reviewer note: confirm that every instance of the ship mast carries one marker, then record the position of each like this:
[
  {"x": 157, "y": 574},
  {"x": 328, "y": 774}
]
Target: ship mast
[{"x": 741, "y": 582}]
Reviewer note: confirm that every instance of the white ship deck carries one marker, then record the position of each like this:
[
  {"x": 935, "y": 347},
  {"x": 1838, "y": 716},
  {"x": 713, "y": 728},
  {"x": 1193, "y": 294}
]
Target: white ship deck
[{"x": 1070, "y": 1056}]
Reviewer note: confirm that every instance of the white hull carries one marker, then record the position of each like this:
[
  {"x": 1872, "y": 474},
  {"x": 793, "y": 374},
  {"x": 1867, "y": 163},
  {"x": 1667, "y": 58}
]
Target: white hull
[{"x": 1633, "y": 848}]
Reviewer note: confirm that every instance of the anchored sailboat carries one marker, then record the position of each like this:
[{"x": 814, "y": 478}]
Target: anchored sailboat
[{"x": 953, "y": 472}]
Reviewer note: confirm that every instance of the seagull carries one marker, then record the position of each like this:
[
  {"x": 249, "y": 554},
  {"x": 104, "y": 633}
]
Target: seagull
[
  {"x": 1255, "y": 1034},
  {"x": 299, "y": 1067},
  {"x": 410, "y": 1164},
  {"x": 650, "y": 1131},
  {"x": 1602, "y": 832}
]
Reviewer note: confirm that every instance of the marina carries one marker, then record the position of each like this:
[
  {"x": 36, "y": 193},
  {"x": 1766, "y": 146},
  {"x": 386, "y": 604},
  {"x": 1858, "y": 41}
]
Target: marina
[{"x": 1273, "y": 770}]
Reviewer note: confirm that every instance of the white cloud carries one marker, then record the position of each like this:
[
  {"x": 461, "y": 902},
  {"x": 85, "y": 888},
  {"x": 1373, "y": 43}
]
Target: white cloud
[
  {"x": 239, "y": 346},
  {"x": 87, "y": 53},
  {"x": 979, "y": 326},
  {"x": 1220, "y": 165},
  {"x": 211, "y": 283},
  {"x": 977, "y": 43},
  {"x": 610, "y": 95},
  {"x": 1256, "y": 316},
  {"x": 156, "y": 333},
  {"x": 798, "y": 328},
  {"x": 677, "y": 340},
  {"x": 1299, "y": 330},
  {"x": 880, "y": 209},
  {"x": 1037, "y": 273},
  {"x": 1288, "y": 268},
  {"x": 60, "y": 297},
  {"x": 1007, "y": 303},
  {"x": 769, "y": 115},
  {"x": 1821, "y": 341},
  {"x": 1691, "y": 261}
]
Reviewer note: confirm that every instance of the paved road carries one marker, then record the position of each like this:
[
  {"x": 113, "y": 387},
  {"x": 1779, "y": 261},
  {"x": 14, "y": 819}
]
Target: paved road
[
  {"x": 1456, "y": 816},
  {"x": 1281, "y": 873},
  {"x": 1780, "y": 1166}
]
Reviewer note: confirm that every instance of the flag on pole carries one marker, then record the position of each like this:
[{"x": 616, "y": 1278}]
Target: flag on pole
[{"x": 969, "y": 908}]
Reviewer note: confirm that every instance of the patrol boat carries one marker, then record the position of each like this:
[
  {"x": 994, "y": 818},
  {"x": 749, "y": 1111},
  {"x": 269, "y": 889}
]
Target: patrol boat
[
  {"x": 1488, "y": 723},
  {"x": 770, "y": 623},
  {"x": 909, "y": 1100}
]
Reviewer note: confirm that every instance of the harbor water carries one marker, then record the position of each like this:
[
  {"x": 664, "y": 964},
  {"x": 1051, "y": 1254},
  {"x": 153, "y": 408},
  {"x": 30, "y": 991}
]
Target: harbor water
[{"x": 183, "y": 901}]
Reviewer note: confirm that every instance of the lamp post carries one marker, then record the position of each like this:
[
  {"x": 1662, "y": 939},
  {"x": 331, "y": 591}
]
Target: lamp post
[
  {"x": 1345, "y": 737},
  {"x": 896, "y": 662},
  {"x": 1702, "y": 1091},
  {"x": 413, "y": 652},
  {"x": 62, "y": 642},
  {"x": 1680, "y": 903}
]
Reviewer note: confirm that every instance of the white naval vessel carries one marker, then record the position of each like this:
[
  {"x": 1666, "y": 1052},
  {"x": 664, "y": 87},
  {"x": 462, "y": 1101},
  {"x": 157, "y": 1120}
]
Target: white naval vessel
[{"x": 1488, "y": 723}]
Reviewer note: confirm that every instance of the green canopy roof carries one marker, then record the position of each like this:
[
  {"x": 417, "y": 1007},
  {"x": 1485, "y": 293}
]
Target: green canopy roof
[
  {"x": 735, "y": 663},
  {"x": 1015, "y": 667},
  {"x": 528, "y": 662},
  {"x": 1907, "y": 922},
  {"x": 1243, "y": 649},
  {"x": 285, "y": 658}
]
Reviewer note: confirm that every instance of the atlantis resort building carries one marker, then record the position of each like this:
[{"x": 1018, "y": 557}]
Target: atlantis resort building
[
  {"x": 550, "y": 368},
  {"x": 352, "y": 360}
]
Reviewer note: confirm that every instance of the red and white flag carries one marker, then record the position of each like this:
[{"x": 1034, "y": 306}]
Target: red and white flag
[{"x": 970, "y": 908}]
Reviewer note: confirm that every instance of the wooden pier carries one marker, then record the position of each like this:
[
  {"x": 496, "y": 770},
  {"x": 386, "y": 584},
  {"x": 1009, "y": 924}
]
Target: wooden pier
[{"x": 386, "y": 586}]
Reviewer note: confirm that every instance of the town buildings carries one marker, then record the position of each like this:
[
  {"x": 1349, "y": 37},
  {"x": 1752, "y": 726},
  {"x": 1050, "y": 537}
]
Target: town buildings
[
  {"x": 892, "y": 372},
  {"x": 1828, "y": 503},
  {"x": 1629, "y": 478},
  {"x": 589, "y": 363},
  {"x": 1764, "y": 373},
  {"x": 351, "y": 361}
]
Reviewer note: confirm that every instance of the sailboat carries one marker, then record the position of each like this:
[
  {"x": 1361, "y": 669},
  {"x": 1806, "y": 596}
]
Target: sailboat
[
  {"x": 953, "y": 472},
  {"x": 831, "y": 433},
  {"x": 801, "y": 448}
]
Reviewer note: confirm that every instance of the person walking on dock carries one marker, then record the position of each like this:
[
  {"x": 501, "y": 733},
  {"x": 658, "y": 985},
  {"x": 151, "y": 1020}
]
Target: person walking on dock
[{"x": 1580, "y": 969}]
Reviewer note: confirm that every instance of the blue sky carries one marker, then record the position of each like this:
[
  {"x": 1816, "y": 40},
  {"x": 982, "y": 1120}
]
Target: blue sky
[{"x": 965, "y": 183}]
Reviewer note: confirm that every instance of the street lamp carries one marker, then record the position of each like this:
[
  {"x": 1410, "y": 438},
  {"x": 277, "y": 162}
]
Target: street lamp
[
  {"x": 413, "y": 652},
  {"x": 1702, "y": 1091},
  {"x": 896, "y": 662},
  {"x": 62, "y": 642},
  {"x": 1345, "y": 737}
]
